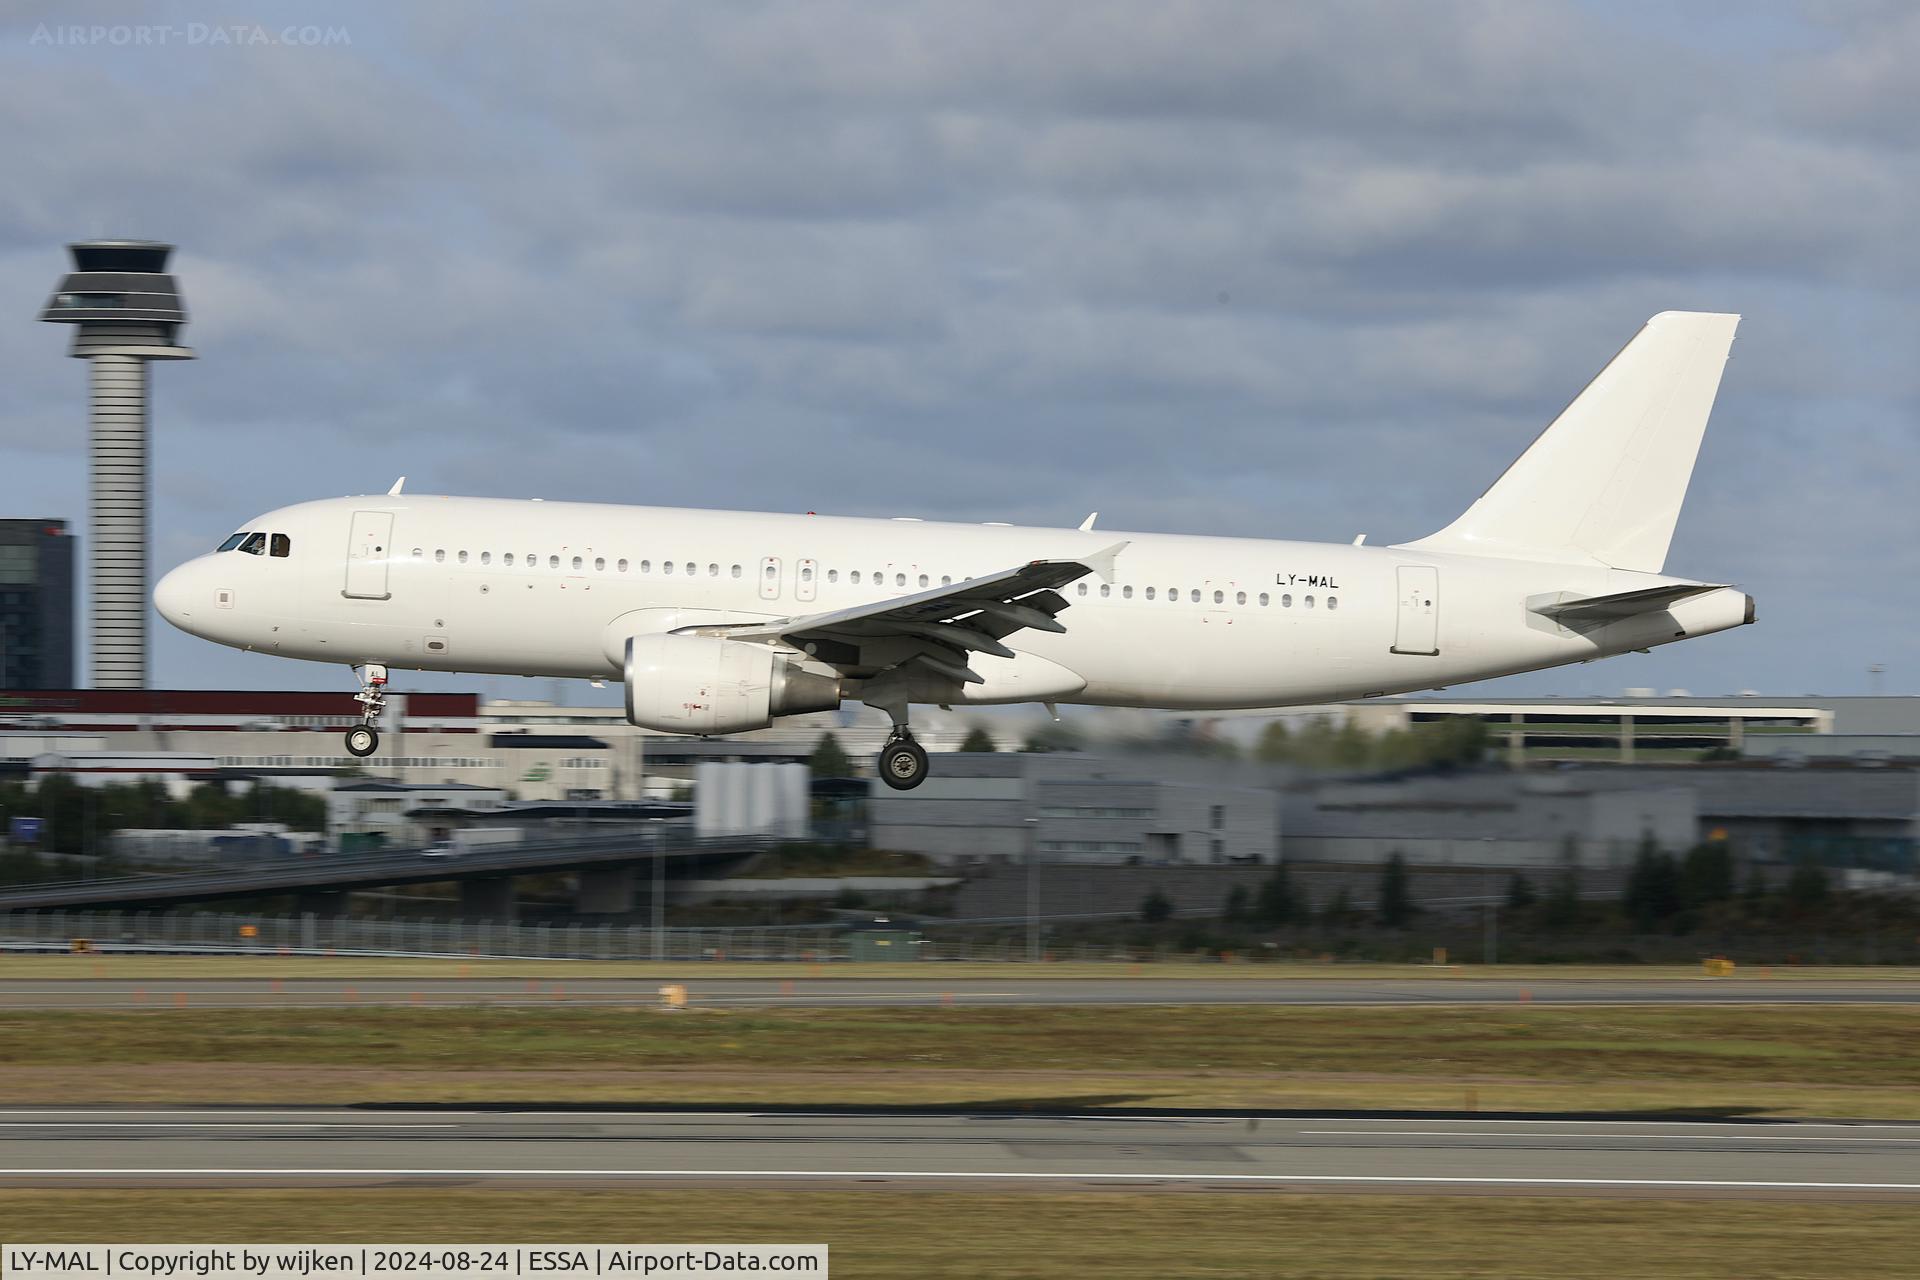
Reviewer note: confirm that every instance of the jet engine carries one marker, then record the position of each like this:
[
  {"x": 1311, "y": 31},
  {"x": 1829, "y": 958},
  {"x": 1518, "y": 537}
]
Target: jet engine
[{"x": 702, "y": 685}]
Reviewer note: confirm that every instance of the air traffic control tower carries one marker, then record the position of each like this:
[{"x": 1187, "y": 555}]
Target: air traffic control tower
[{"x": 126, "y": 311}]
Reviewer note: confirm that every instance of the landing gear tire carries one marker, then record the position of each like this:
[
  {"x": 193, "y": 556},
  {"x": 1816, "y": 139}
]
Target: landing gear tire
[
  {"x": 362, "y": 741},
  {"x": 903, "y": 765}
]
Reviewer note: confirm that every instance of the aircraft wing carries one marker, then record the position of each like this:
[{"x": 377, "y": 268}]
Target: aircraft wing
[
  {"x": 1622, "y": 604},
  {"x": 940, "y": 626}
]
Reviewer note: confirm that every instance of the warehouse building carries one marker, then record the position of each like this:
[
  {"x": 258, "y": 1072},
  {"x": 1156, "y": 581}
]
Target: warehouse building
[{"x": 1069, "y": 807}]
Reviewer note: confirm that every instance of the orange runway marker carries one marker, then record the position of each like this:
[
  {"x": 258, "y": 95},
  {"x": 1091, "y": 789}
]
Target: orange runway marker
[
  {"x": 179, "y": 999},
  {"x": 786, "y": 988},
  {"x": 278, "y": 986},
  {"x": 1526, "y": 997},
  {"x": 946, "y": 997},
  {"x": 415, "y": 997},
  {"x": 139, "y": 995},
  {"x": 351, "y": 994}
]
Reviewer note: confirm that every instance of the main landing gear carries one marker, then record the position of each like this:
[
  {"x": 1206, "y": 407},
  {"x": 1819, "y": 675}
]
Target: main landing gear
[
  {"x": 903, "y": 763},
  {"x": 363, "y": 739}
]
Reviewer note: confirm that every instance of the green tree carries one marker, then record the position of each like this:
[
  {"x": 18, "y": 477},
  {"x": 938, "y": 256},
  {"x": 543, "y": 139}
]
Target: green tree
[
  {"x": 1340, "y": 910},
  {"x": 1237, "y": 906},
  {"x": 1275, "y": 904},
  {"x": 979, "y": 740},
  {"x": 1395, "y": 907},
  {"x": 828, "y": 759},
  {"x": 1276, "y": 743},
  {"x": 1706, "y": 874},
  {"x": 1652, "y": 893},
  {"x": 1563, "y": 897},
  {"x": 1520, "y": 894},
  {"x": 1808, "y": 887},
  {"x": 1156, "y": 908}
]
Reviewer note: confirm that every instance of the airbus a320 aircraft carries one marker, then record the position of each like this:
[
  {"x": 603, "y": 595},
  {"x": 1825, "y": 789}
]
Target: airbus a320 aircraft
[{"x": 720, "y": 621}]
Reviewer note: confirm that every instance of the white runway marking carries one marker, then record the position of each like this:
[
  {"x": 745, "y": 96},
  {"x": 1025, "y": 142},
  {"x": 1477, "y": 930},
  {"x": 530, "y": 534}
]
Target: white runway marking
[{"x": 193, "y": 1124}]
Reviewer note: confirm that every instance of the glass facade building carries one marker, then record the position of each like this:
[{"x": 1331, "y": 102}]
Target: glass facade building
[{"x": 36, "y": 605}]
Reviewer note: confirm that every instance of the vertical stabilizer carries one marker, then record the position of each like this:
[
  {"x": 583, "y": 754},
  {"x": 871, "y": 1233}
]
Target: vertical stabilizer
[{"x": 1604, "y": 483}]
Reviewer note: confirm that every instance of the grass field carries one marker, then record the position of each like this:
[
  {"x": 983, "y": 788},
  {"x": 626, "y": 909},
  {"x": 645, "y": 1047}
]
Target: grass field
[
  {"x": 1117, "y": 1235},
  {"x": 1797, "y": 1060},
  {"x": 83, "y": 967}
]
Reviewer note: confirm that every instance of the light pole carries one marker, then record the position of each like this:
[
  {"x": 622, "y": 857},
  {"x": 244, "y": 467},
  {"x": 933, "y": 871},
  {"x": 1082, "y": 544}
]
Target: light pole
[{"x": 1033, "y": 890}]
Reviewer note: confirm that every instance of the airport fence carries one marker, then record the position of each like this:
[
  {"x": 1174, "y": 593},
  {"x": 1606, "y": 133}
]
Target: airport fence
[{"x": 222, "y": 933}]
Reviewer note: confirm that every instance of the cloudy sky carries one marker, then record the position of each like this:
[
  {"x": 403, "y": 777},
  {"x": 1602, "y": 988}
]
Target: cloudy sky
[{"x": 1288, "y": 270}]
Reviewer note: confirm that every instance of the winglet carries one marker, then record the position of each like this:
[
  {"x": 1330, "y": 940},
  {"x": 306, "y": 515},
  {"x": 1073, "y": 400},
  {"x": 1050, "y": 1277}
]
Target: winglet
[
  {"x": 1101, "y": 562},
  {"x": 1087, "y": 524},
  {"x": 398, "y": 485}
]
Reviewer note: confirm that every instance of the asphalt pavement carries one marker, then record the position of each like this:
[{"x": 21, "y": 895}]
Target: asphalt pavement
[{"x": 220, "y": 1146}]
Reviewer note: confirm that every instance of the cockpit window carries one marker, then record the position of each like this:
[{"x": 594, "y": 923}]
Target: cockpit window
[
  {"x": 281, "y": 546},
  {"x": 256, "y": 544},
  {"x": 231, "y": 543}
]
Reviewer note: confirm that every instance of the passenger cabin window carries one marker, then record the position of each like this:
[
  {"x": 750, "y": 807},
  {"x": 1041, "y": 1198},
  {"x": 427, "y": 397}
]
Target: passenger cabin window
[
  {"x": 232, "y": 542},
  {"x": 1263, "y": 599},
  {"x": 713, "y": 571},
  {"x": 255, "y": 544},
  {"x": 736, "y": 571},
  {"x": 1149, "y": 593},
  {"x": 439, "y": 555},
  {"x": 486, "y": 557},
  {"x": 854, "y": 577},
  {"x": 576, "y": 562},
  {"x": 833, "y": 575},
  {"x": 1239, "y": 597},
  {"x": 463, "y": 557},
  {"x": 281, "y": 546},
  {"x": 507, "y": 559},
  {"x": 553, "y": 562},
  {"x": 600, "y": 564},
  {"x": 622, "y": 566},
  {"x": 1333, "y": 602}
]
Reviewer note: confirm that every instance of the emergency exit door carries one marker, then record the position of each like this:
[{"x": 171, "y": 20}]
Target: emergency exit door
[
  {"x": 1417, "y": 630},
  {"x": 368, "y": 546}
]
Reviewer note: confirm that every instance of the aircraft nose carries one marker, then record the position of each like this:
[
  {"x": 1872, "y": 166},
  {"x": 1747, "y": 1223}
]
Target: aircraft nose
[{"x": 174, "y": 596}]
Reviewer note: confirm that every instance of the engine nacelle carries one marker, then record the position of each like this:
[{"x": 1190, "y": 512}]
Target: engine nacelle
[{"x": 701, "y": 685}]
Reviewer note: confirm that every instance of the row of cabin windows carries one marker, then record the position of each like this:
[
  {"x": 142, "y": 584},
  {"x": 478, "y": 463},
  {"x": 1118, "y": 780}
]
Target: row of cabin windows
[
  {"x": 1219, "y": 597},
  {"x": 277, "y": 545},
  {"x": 878, "y": 577}
]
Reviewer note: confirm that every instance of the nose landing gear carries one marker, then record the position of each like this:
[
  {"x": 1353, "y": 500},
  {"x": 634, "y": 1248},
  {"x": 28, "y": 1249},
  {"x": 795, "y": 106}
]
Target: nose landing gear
[{"x": 363, "y": 739}]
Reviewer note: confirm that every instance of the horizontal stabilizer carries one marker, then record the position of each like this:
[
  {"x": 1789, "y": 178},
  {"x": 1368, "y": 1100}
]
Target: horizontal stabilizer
[{"x": 1622, "y": 604}]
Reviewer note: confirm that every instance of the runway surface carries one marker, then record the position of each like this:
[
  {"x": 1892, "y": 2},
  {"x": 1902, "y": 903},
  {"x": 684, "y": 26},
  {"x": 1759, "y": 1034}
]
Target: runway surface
[
  {"x": 320, "y": 1146},
  {"x": 854, "y": 991}
]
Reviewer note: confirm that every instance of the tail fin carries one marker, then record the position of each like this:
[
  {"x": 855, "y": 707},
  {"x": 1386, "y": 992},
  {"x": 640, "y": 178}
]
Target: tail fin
[{"x": 1604, "y": 483}]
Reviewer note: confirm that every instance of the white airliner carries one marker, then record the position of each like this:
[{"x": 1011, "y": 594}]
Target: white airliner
[{"x": 720, "y": 621}]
